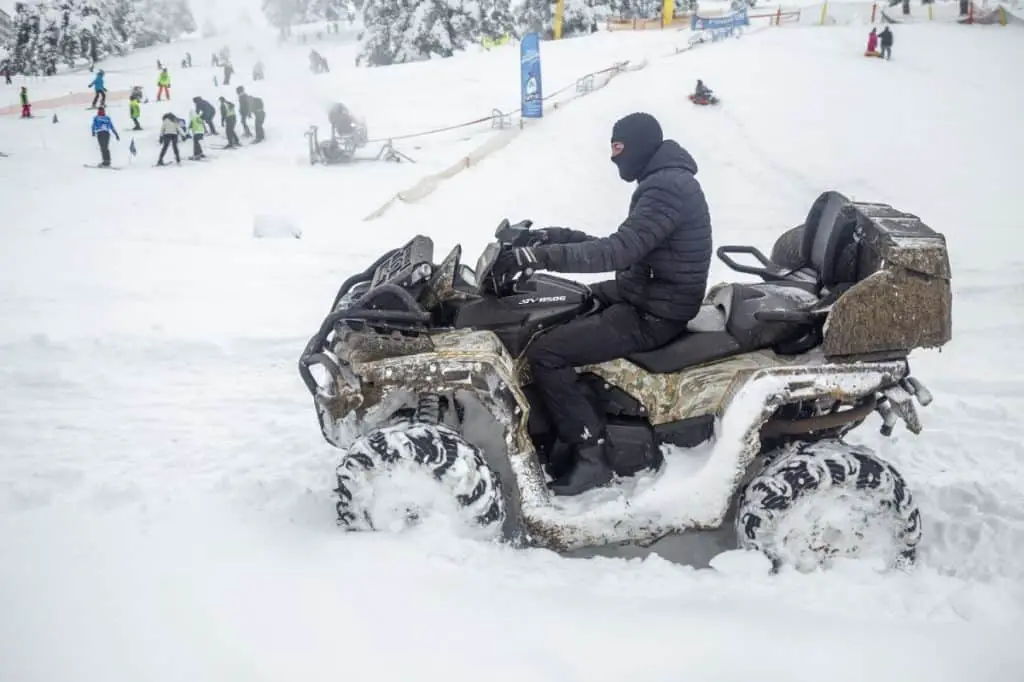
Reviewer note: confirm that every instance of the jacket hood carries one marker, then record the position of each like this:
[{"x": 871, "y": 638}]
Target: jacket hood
[{"x": 670, "y": 155}]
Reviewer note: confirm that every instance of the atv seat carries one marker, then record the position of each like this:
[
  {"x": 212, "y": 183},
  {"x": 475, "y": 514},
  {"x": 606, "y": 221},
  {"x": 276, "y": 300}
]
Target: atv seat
[
  {"x": 828, "y": 232},
  {"x": 741, "y": 318}
]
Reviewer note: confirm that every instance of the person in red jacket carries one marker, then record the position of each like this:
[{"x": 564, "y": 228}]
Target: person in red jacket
[{"x": 872, "y": 44}]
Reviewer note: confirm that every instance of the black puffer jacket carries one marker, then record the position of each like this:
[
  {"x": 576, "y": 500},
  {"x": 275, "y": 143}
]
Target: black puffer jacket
[{"x": 662, "y": 252}]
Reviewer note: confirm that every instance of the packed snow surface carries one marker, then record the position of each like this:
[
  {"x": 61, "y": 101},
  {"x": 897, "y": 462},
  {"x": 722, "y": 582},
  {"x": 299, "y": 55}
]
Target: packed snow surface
[{"x": 165, "y": 496}]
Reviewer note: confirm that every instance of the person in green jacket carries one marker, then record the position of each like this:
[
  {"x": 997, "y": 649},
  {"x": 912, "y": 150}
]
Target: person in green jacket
[
  {"x": 135, "y": 111},
  {"x": 198, "y": 128},
  {"x": 163, "y": 84}
]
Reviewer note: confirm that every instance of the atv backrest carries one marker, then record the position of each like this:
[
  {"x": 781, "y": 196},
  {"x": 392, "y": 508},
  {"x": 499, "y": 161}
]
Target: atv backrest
[
  {"x": 828, "y": 239},
  {"x": 901, "y": 296}
]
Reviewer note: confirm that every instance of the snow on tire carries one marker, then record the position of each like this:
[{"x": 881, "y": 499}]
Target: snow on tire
[
  {"x": 829, "y": 499},
  {"x": 409, "y": 469}
]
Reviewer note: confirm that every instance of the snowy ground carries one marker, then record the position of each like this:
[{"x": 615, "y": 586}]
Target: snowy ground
[{"x": 165, "y": 505}]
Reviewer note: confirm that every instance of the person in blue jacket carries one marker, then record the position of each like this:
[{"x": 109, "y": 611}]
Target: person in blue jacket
[
  {"x": 100, "y": 88},
  {"x": 102, "y": 127}
]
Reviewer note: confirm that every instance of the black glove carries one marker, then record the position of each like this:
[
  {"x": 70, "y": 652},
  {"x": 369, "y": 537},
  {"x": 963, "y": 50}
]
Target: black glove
[{"x": 514, "y": 261}]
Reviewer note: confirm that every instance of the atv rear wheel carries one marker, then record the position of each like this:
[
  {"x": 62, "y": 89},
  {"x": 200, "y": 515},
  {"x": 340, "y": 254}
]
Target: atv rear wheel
[
  {"x": 408, "y": 469},
  {"x": 828, "y": 499}
]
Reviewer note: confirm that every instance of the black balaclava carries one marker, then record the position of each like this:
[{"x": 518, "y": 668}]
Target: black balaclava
[{"x": 640, "y": 135}]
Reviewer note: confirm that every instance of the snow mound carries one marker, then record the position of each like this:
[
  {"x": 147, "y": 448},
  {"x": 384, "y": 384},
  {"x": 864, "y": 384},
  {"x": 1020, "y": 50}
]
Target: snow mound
[{"x": 275, "y": 227}]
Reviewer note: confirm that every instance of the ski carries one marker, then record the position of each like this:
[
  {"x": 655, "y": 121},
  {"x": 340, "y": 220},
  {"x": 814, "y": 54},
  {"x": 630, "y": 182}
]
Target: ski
[
  {"x": 96, "y": 165},
  {"x": 227, "y": 147}
]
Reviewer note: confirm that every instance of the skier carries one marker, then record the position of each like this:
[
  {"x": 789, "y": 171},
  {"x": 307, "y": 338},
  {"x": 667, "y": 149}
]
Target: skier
[
  {"x": 227, "y": 119},
  {"x": 188, "y": 58},
  {"x": 26, "y": 107},
  {"x": 257, "y": 71},
  {"x": 228, "y": 70},
  {"x": 135, "y": 111},
  {"x": 244, "y": 111},
  {"x": 169, "y": 130},
  {"x": 260, "y": 115},
  {"x": 214, "y": 60},
  {"x": 163, "y": 85},
  {"x": 7, "y": 75},
  {"x": 198, "y": 127},
  {"x": 207, "y": 112},
  {"x": 872, "y": 43},
  {"x": 102, "y": 127},
  {"x": 886, "y": 39},
  {"x": 100, "y": 90},
  {"x": 661, "y": 254}
]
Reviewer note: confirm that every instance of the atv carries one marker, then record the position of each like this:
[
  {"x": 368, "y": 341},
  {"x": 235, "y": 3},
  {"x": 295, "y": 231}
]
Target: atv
[{"x": 741, "y": 419}]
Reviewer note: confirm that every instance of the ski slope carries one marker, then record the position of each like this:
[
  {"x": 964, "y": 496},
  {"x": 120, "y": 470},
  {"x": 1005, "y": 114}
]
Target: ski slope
[{"x": 165, "y": 497}]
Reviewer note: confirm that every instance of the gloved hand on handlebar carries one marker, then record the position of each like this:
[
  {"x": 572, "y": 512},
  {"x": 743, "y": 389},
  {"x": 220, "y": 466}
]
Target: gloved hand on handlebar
[{"x": 512, "y": 262}]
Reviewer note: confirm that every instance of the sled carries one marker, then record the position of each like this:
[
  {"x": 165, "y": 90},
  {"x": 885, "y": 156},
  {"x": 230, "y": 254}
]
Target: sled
[
  {"x": 872, "y": 53},
  {"x": 703, "y": 101},
  {"x": 740, "y": 420}
]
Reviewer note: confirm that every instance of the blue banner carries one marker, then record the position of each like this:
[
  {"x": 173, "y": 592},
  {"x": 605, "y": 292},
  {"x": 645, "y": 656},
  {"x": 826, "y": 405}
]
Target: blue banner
[
  {"x": 532, "y": 93},
  {"x": 729, "y": 21}
]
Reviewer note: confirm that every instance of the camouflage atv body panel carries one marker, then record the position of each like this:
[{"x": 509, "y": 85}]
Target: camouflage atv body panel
[{"x": 741, "y": 392}]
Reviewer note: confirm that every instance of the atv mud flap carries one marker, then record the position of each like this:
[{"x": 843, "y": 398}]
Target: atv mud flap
[{"x": 365, "y": 385}]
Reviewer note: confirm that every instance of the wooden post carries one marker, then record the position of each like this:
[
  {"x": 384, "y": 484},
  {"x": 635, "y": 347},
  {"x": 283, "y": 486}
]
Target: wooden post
[{"x": 874, "y": 11}]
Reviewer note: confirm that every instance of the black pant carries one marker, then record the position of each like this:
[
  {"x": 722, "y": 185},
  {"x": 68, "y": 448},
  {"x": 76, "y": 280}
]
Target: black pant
[
  {"x": 209, "y": 124},
  {"x": 197, "y": 147},
  {"x": 260, "y": 116},
  {"x": 245, "y": 126},
  {"x": 886, "y": 51},
  {"x": 103, "y": 137},
  {"x": 169, "y": 140},
  {"x": 101, "y": 97},
  {"x": 614, "y": 332},
  {"x": 229, "y": 130}
]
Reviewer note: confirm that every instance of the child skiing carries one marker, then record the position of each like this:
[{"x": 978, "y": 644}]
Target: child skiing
[
  {"x": 169, "y": 130},
  {"x": 100, "y": 90},
  {"x": 26, "y": 108},
  {"x": 163, "y": 85},
  {"x": 198, "y": 127},
  {"x": 135, "y": 111},
  {"x": 102, "y": 127}
]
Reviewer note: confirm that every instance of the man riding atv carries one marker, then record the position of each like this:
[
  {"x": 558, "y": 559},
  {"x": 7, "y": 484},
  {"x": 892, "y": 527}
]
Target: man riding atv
[{"x": 661, "y": 255}]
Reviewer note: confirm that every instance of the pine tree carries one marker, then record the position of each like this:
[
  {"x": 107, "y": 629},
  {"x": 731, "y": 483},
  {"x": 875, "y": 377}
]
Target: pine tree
[
  {"x": 163, "y": 21},
  {"x": 534, "y": 16},
  {"x": 494, "y": 19}
]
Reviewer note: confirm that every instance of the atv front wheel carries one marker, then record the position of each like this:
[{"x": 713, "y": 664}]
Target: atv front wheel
[
  {"x": 829, "y": 499},
  {"x": 399, "y": 473}
]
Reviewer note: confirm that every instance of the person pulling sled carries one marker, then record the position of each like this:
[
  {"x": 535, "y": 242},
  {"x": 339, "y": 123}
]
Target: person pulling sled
[
  {"x": 703, "y": 95},
  {"x": 885, "y": 38}
]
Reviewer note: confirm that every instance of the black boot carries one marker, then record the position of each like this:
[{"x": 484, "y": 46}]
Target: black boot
[{"x": 591, "y": 471}]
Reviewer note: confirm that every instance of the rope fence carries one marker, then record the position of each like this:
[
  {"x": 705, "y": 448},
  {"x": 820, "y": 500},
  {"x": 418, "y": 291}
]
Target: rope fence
[{"x": 581, "y": 87}]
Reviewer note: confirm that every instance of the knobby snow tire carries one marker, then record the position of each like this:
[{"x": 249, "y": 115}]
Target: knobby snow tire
[
  {"x": 828, "y": 466},
  {"x": 456, "y": 464}
]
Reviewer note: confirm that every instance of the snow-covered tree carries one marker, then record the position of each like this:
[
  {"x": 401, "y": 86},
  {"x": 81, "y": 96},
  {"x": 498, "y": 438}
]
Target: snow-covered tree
[
  {"x": 163, "y": 21},
  {"x": 399, "y": 31},
  {"x": 285, "y": 13},
  {"x": 579, "y": 17}
]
